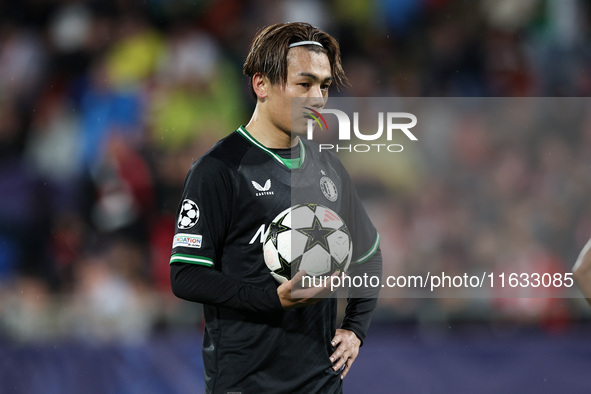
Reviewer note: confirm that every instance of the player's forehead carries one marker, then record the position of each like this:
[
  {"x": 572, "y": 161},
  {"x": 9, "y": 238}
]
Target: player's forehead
[{"x": 301, "y": 61}]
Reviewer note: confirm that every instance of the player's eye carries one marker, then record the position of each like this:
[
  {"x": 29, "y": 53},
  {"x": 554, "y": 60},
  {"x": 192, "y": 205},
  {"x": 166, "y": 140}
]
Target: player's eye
[
  {"x": 304, "y": 84},
  {"x": 324, "y": 86}
]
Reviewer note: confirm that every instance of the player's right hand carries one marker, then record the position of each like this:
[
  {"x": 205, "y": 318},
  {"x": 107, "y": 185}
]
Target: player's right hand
[{"x": 293, "y": 295}]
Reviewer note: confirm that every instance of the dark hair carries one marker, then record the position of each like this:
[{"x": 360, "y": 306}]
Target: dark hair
[{"x": 268, "y": 52}]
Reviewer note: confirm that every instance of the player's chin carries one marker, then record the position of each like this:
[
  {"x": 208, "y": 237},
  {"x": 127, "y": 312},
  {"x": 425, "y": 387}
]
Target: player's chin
[{"x": 299, "y": 127}]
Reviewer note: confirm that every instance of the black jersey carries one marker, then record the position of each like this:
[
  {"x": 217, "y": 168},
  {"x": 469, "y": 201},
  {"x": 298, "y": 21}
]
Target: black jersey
[{"x": 230, "y": 196}]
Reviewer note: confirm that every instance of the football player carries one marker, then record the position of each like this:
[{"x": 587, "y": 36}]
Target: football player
[{"x": 260, "y": 337}]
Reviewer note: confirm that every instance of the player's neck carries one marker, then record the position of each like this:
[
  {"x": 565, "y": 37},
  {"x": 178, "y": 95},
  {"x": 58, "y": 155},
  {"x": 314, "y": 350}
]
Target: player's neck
[{"x": 269, "y": 135}]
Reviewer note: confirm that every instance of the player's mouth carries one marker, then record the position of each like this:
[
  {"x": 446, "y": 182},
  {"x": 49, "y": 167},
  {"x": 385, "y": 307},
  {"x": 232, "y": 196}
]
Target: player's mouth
[{"x": 308, "y": 113}]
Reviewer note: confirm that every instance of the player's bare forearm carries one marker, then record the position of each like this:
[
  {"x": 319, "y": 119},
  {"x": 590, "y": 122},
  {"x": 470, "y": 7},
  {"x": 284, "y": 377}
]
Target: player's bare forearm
[
  {"x": 583, "y": 279},
  {"x": 582, "y": 271},
  {"x": 347, "y": 344}
]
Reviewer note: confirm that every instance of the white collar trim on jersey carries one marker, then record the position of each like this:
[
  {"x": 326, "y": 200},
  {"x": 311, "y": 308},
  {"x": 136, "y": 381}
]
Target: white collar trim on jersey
[{"x": 249, "y": 137}]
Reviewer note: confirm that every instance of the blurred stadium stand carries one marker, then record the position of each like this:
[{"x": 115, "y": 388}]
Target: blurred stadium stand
[{"x": 397, "y": 359}]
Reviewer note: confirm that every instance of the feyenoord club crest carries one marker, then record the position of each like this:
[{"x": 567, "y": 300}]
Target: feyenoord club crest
[
  {"x": 189, "y": 215},
  {"x": 329, "y": 189}
]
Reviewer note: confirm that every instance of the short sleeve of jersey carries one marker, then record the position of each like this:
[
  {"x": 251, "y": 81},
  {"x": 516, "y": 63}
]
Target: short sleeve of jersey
[
  {"x": 366, "y": 239},
  {"x": 203, "y": 216}
]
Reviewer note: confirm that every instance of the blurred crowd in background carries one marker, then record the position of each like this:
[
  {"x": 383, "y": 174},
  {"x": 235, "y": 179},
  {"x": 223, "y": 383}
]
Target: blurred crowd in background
[{"x": 105, "y": 104}]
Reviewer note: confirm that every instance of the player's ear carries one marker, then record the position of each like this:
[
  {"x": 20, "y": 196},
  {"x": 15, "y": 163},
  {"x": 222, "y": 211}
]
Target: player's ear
[{"x": 260, "y": 85}]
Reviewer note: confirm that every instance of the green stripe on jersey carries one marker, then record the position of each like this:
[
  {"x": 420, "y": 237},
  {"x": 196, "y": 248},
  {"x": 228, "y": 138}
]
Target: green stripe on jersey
[
  {"x": 190, "y": 259},
  {"x": 369, "y": 253},
  {"x": 289, "y": 163}
]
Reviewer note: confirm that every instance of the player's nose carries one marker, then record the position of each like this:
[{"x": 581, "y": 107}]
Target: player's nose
[{"x": 316, "y": 101}]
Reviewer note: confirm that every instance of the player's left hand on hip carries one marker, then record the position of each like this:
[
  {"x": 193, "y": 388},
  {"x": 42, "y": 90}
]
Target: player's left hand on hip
[{"x": 346, "y": 352}]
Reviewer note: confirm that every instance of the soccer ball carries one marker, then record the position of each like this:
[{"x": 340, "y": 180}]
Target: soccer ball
[
  {"x": 189, "y": 215},
  {"x": 307, "y": 237}
]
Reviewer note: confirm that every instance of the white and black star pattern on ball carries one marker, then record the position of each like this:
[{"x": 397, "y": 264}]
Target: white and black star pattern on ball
[
  {"x": 189, "y": 215},
  {"x": 308, "y": 237}
]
